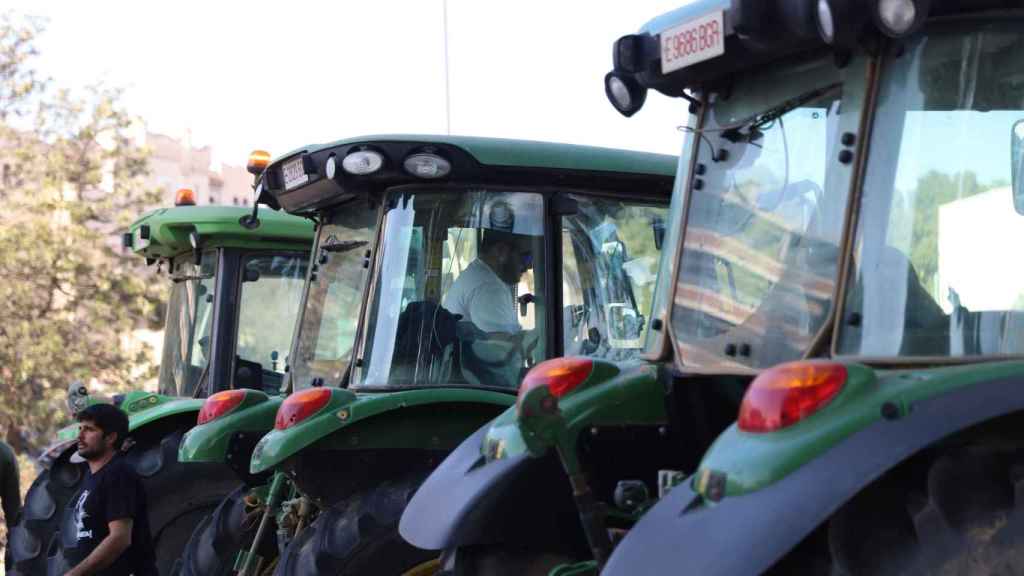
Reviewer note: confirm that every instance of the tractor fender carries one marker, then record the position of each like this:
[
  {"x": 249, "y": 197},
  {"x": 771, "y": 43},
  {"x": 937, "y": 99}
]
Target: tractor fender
[
  {"x": 149, "y": 408},
  {"x": 748, "y": 533},
  {"x": 350, "y": 421},
  {"x": 212, "y": 441},
  {"x": 448, "y": 507},
  {"x": 160, "y": 410}
]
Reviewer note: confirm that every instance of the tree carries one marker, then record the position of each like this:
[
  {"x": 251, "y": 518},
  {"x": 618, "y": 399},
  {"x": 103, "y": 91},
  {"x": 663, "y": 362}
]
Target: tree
[
  {"x": 934, "y": 189},
  {"x": 72, "y": 179}
]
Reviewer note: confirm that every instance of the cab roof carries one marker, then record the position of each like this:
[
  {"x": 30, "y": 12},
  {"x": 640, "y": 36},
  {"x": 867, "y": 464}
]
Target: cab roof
[
  {"x": 472, "y": 160},
  {"x": 167, "y": 230},
  {"x": 523, "y": 153}
]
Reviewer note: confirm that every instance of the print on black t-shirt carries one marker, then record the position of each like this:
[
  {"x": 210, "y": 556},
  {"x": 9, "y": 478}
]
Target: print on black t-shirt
[{"x": 112, "y": 493}]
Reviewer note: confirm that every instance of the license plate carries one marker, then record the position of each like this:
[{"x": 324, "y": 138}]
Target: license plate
[
  {"x": 294, "y": 173},
  {"x": 691, "y": 42}
]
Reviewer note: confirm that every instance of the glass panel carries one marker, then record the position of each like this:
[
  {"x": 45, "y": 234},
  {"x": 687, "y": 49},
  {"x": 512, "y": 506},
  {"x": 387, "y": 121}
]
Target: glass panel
[
  {"x": 609, "y": 268},
  {"x": 331, "y": 314},
  {"x": 458, "y": 298},
  {"x": 762, "y": 240},
  {"x": 934, "y": 263},
  {"x": 186, "y": 353},
  {"x": 268, "y": 306}
]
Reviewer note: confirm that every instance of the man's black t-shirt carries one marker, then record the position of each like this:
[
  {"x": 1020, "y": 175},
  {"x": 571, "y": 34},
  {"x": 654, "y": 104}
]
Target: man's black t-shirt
[{"x": 112, "y": 493}]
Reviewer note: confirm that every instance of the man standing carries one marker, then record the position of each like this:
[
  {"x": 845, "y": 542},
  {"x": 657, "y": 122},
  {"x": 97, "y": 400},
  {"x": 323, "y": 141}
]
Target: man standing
[{"x": 110, "y": 514}]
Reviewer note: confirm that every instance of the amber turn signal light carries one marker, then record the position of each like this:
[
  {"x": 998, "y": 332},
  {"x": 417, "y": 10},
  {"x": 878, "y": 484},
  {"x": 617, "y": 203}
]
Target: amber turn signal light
[{"x": 258, "y": 161}]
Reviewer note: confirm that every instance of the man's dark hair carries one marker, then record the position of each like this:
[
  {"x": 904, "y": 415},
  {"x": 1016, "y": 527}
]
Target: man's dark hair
[{"x": 108, "y": 418}]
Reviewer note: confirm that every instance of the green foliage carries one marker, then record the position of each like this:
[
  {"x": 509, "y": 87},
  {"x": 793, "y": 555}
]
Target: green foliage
[
  {"x": 72, "y": 180},
  {"x": 934, "y": 189}
]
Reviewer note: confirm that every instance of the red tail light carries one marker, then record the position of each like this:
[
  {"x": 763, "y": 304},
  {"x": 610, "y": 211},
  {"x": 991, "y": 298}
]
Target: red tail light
[
  {"x": 788, "y": 393},
  {"x": 301, "y": 405},
  {"x": 559, "y": 375},
  {"x": 220, "y": 404}
]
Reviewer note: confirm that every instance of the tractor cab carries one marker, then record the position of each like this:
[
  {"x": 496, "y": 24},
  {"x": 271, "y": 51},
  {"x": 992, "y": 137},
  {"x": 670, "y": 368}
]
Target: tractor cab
[
  {"x": 853, "y": 189},
  {"x": 234, "y": 295},
  {"x": 462, "y": 291}
]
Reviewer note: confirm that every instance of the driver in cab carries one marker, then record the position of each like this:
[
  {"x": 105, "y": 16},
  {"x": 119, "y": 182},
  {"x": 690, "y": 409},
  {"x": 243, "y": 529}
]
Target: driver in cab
[{"x": 484, "y": 292}]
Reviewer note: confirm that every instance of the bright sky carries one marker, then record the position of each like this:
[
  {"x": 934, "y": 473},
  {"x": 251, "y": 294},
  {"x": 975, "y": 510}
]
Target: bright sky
[{"x": 279, "y": 76}]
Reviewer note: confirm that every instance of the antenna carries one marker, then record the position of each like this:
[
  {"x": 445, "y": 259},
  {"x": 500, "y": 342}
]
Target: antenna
[{"x": 447, "y": 89}]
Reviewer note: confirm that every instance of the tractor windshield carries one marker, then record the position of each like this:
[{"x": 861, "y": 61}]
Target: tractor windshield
[
  {"x": 267, "y": 309},
  {"x": 761, "y": 242},
  {"x": 458, "y": 298},
  {"x": 933, "y": 270},
  {"x": 335, "y": 296},
  {"x": 186, "y": 355}
]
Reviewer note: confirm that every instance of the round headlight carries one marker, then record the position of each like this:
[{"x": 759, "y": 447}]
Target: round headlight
[
  {"x": 426, "y": 165},
  {"x": 619, "y": 92},
  {"x": 826, "y": 25},
  {"x": 362, "y": 162},
  {"x": 331, "y": 166},
  {"x": 896, "y": 17},
  {"x": 624, "y": 92}
]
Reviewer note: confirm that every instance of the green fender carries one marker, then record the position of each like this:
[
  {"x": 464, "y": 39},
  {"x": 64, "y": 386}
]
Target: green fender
[
  {"x": 748, "y": 462},
  {"x": 209, "y": 442},
  {"x": 614, "y": 394},
  {"x": 435, "y": 418},
  {"x": 142, "y": 408}
]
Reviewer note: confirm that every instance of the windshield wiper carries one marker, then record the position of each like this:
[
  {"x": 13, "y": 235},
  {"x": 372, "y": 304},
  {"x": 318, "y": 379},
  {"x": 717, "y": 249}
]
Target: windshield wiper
[
  {"x": 759, "y": 121},
  {"x": 199, "y": 277},
  {"x": 332, "y": 244}
]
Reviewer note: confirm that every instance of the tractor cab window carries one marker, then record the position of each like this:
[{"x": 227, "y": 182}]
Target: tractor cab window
[
  {"x": 610, "y": 253},
  {"x": 267, "y": 309},
  {"x": 458, "y": 296},
  {"x": 335, "y": 296},
  {"x": 934, "y": 267},
  {"x": 761, "y": 243},
  {"x": 189, "y": 325}
]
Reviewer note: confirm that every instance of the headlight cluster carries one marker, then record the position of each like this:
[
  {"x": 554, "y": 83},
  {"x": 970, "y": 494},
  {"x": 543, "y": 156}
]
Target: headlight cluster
[{"x": 364, "y": 162}]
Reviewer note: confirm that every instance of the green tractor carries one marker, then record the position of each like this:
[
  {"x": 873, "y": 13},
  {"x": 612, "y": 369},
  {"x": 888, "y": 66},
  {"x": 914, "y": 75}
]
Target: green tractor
[
  {"x": 234, "y": 298},
  {"x": 468, "y": 260},
  {"x": 839, "y": 331}
]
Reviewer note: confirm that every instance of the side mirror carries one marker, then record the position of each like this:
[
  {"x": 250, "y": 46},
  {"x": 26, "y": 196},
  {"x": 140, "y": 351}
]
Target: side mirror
[
  {"x": 1017, "y": 165},
  {"x": 624, "y": 326},
  {"x": 658, "y": 225}
]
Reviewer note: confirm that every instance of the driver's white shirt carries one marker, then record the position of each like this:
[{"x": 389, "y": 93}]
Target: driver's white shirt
[{"x": 481, "y": 297}]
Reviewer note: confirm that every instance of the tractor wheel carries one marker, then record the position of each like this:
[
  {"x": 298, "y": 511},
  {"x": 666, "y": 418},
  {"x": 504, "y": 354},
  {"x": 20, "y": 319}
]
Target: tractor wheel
[
  {"x": 40, "y": 516},
  {"x": 178, "y": 496},
  {"x": 960, "y": 513},
  {"x": 359, "y": 536},
  {"x": 502, "y": 561},
  {"x": 216, "y": 541}
]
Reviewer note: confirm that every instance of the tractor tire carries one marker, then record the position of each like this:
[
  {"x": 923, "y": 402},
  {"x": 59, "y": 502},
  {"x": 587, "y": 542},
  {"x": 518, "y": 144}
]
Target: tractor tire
[
  {"x": 359, "y": 537},
  {"x": 961, "y": 512},
  {"x": 189, "y": 492},
  {"x": 40, "y": 516},
  {"x": 216, "y": 541},
  {"x": 502, "y": 561}
]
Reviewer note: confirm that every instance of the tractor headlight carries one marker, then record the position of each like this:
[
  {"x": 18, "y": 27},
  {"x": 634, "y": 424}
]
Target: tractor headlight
[
  {"x": 899, "y": 18},
  {"x": 624, "y": 92},
  {"x": 427, "y": 165},
  {"x": 362, "y": 162}
]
